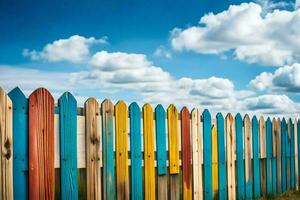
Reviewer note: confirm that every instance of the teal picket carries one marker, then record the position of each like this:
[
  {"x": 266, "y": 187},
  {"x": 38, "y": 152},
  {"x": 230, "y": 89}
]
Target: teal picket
[
  {"x": 136, "y": 151},
  {"x": 274, "y": 157},
  {"x": 292, "y": 143},
  {"x": 298, "y": 140},
  {"x": 288, "y": 156},
  {"x": 160, "y": 127},
  {"x": 239, "y": 157},
  {"x": 222, "y": 182},
  {"x": 109, "y": 181},
  {"x": 68, "y": 146},
  {"x": 20, "y": 144},
  {"x": 207, "y": 155},
  {"x": 283, "y": 154},
  {"x": 256, "y": 166},
  {"x": 269, "y": 151}
]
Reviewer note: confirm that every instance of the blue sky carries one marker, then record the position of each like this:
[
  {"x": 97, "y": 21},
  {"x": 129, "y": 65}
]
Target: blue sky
[{"x": 222, "y": 55}]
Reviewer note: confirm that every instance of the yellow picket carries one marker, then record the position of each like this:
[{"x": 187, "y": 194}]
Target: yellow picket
[
  {"x": 121, "y": 125},
  {"x": 215, "y": 158},
  {"x": 149, "y": 152}
]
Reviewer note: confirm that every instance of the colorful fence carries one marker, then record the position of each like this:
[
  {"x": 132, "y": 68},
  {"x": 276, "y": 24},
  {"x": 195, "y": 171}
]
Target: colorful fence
[{"x": 125, "y": 152}]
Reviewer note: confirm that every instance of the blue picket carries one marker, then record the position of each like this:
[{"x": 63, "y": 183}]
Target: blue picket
[
  {"x": 292, "y": 143},
  {"x": 20, "y": 144},
  {"x": 283, "y": 154},
  {"x": 160, "y": 127},
  {"x": 274, "y": 157},
  {"x": 136, "y": 151},
  {"x": 269, "y": 156},
  {"x": 222, "y": 183},
  {"x": 298, "y": 140},
  {"x": 239, "y": 157},
  {"x": 109, "y": 182},
  {"x": 256, "y": 165},
  {"x": 207, "y": 155}
]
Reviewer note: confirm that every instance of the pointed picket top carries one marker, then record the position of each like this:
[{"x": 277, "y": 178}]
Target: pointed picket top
[
  {"x": 206, "y": 113},
  {"x": 229, "y": 116},
  {"x": 159, "y": 108},
  {"x": 134, "y": 106},
  {"x": 17, "y": 94},
  {"x": 262, "y": 137},
  {"x": 147, "y": 106},
  {"x": 120, "y": 105},
  {"x": 185, "y": 110},
  {"x": 238, "y": 117},
  {"x": 268, "y": 120},
  {"x": 219, "y": 116},
  {"x": 67, "y": 96},
  {"x": 172, "y": 108},
  {"x": 42, "y": 90},
  {"x": 290, "y": 123},
  {"x": 274, "y": 137}
]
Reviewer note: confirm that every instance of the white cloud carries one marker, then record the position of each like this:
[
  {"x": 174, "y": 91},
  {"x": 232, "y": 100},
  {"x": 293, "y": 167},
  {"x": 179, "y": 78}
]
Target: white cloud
[
  {"x": 161, "y": 51},
  {"x": 268, "y": 5},
  {"x": 297, "y": 4},
  {"x": 270, "y": 39},
  {"x": 286, "y": 78},
  {"x": 74, "y": 49}
]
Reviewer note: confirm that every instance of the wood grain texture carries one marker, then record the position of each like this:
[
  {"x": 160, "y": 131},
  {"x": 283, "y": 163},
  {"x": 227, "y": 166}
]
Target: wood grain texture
[
  {"x": 149, "y": 153},
  {"x": 6, "y": 151},
  {"x": 41, "y": 145},
  {"x": 279, "y": 158},
  {"x": 230, "y": 155},
  {"x": 269, "y": 156},
  {"x": 20, "y": 145},
  {"x": 109, "y": 182},
  {"x": 296, "y": 155},
  {"x": 136, "y": 151},
  {"x": 248, "y": 158},
  {"x": 274, "y": 156},
  {"x": 186, "y": 153},
  {"x": 240, "y": 157},
  {"x": 93, "y": 154},
  {"x": 207, "y": 155},
  {"x": 68, "y": 146},
  {"x": 214, "y": 159},
  {"x": 196, "y": 129},
  {"x": 256, "y": 166},
  {"x": 222, "y": 181},
  {"x": 283, "y": 154},
  {"x": 121, "y": 114},
  {"x": 173, "y": 137},
  {"x": 262, "y": 145}
]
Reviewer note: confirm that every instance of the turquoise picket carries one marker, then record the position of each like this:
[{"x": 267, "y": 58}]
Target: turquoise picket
[
  {"x": 20, "y": 144},
  {"x": 207, "y": 155},
  {"x": 292, "y": 143},
  {"x": 222, "y": 182},
  {"x": 239, "y": 157},
  {"x": 269, "y": 156},
  {"x": 107, "y": 110},
  {"x": 256, "y": 166},
  {"x": 298, "y": 140},
  {"x": 283, "y": 154},
  {"x": 68, "y": 146},
  {"x": 288, "y": 157},
  {"x": 136, "y": 151},
  {"x": 160, "y": 127}
]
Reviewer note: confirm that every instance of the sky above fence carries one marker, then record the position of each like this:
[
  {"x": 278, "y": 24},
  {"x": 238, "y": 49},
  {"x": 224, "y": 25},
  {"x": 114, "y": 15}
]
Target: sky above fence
[{"x": 222, "y": 55}]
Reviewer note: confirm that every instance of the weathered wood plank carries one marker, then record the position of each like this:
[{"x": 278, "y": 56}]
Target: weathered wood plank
[
  {"x": 68, "y": 146},
  {"x": 296, "y": 155},
  {"x": 6, "y": 151},
  {"x": 136, "y": 152},
  {"x": 262, "y": 145},
  {"x": 41, "y": 145},
  {"x": 197, "y": 154},
  {"x": 109, "y": 183},
  {"x": 149, "y": 152},
  {"x": 269, "y": 156},
  {"x": 173, "y": 151},
  {"x": 283, "y": 154},
  {"x": 93, "y": 154},
  {"x": 256, "y": 166},
  {"x": 222, "y": 182},
  {"x": 186, "y": 153},
  {"x": 274, "y": 156},
  {"x": 20, "y": 144},
  {"x": 230, "y": 155},
  {"x": 240, "y": 157},
  {"x": 121, "y": 114},
  {"x": 248, "y": 157},
  {"x": 214, "y": 159},
  {"x": 207, "y": 155}
]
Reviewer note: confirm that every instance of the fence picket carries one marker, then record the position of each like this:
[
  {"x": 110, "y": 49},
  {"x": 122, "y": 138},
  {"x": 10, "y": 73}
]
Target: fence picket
[
  {"x": 197, "y": 154},
  {"x": 109, "y": 183},
  {"x": 292, "y": 154},
  {"x": 20, "y": 143},
  {"x": 6, "y": 151},
  {"x": 248, "y": 157},
  {"x": 263, "y": 155},
  {"x": 149, "y": 152},
  {"x": 274, "y": 156},
  {"x": 222, "y": 182},
  {"x": 269, "y": 156},
  {"x": 288, "y": 155},
  {"x": 41, "y": 145},
  {"x": 121, "y": 127},
  {"x": 207, "y": 155},
  {"x": 283, "y": 154},
  {"x": 136, "y": 152},
  {"x": 214, "y": 159},
  {"x": 279, "y": 157},
  {"x": 68, "y": 146},
  {"x": 256, "y": 165},
  {"x": 296, "y": 155},
  {"x": 93, "y": 155}
]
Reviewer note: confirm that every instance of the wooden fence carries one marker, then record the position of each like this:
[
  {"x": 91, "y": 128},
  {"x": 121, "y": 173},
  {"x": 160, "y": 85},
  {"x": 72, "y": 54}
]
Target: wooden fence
[{"x": 117, "y": 151}]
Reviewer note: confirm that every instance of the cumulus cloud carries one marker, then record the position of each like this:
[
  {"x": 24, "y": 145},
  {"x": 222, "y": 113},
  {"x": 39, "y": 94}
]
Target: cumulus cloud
[
  {"x": 285, "y": 78},
  {"x": 297, "y": 4},
  {"x": 243, "y": 29},
  {"x": 74, "y": 49},
  {"x": 161, "y": 51}
]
